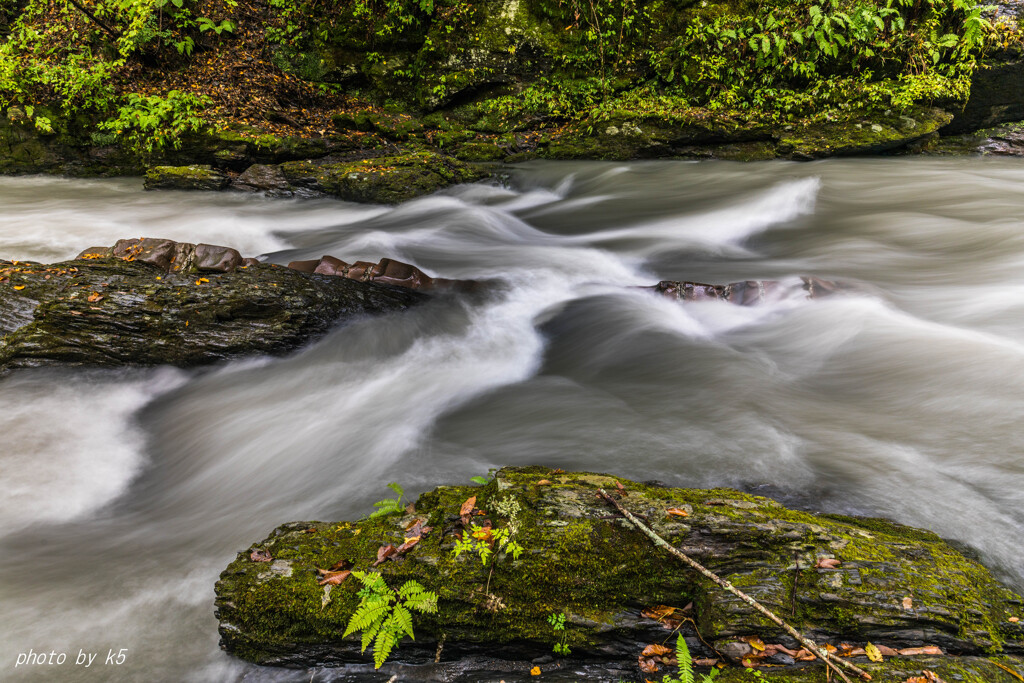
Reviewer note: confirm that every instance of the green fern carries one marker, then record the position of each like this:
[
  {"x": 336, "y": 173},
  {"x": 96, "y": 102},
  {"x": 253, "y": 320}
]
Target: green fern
[
  {"x": 686, "y": 666},
  {"x": 383, "y": 613},
  {"x": 389, "y": 505}
]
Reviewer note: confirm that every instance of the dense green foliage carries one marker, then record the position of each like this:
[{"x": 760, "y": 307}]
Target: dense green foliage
[{"x": 74, "y": 57}]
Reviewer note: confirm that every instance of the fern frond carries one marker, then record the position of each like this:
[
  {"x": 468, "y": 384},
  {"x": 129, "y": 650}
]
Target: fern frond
[
  {"x": 422, "y": 602},
  {"x": 385, "y": 642},
  {"x": 403, "y": 621},
  {"x": 685, "y": 661},
  {"x": 367, "y": 614},
  {"x": 397, "y": 489},
  {"x": 410, "y": 588}
]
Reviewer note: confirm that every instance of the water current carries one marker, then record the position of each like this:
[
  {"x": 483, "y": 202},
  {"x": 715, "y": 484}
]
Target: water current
[{"x": 126, "y": 492}]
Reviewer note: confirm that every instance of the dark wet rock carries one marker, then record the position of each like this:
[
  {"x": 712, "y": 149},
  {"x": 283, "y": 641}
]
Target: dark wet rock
[
  {"x": 381, "y": 180},
  {"x": 265, "y": 178},
  {"x": 997, "y": 95},
  {"x": 748, "y": 292},
  {"x": 154, "y": 301},
  {"x": 386, "y": 271},
  {"x": 583, "y": 560},
  {"x": 1003, "y": 140},
  {"x": 194, "y": 177}
]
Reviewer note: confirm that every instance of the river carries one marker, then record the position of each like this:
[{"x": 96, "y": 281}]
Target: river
[{"x": 126, "y": 492}]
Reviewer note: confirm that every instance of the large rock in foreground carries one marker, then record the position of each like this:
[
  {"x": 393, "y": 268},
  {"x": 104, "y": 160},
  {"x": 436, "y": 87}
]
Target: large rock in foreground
[
  {"x": 891, "y": 585},
  {"x": 148, "y": 302}
]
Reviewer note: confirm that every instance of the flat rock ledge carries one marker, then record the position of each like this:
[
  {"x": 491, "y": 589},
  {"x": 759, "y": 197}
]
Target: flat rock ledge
[
  {"x": 390, "y": 179},
  {"x": 891, "y": 585},
  {"x": 153, "y": 301}
]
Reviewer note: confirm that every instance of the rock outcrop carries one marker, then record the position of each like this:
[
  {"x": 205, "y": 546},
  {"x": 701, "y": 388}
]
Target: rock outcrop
[
  {"x": 153, "y": 301},
  {"x": 838, "y": 579}
]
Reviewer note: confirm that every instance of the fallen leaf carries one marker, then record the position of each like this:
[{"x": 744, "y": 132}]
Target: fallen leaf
[
  {"x": 333, "y": 578},
  {"x": 621, "y": 488},
  {"x": 408, "y": 544},
  {"x": 754, "y": 642},
  {"x": 887, "y": 651},
  {"x": 384, "y": 552},
  {"x": 1013, "y": 620},
  {"x": 535, "y": 671},
  {"x": 326, "y": 598},
  {"x": 260, "y": 556},
  {"x": 340, "y": 565},
  {"x": 410, "y": 508},
  {"x": 659, "y": 612},
  {"x": 558, "y": 471},
  {"x": 926, "y": 650},
  {"x": 803, "y": 655},
  {"x": 830, "y": 648},
  {"x": 872, "y": 652},
  {"x": 94, "y": 297},
  {"x": 647, "y": 665},
  {"x": 677, "y": 512},
  {"x": 827, "y": 563},
  {"x": 19, "y": 287},
  {"x": 467, "y": 507},
  {"x": 705, "y": 662},
  {"x": 855, "y": 652},
  {"x": 654, "y": 649},
  {"x": 544, "y": 482}
]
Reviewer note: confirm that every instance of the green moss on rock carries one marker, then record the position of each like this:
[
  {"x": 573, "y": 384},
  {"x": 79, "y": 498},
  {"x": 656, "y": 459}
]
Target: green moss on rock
[{"x": 601, "y": 572}]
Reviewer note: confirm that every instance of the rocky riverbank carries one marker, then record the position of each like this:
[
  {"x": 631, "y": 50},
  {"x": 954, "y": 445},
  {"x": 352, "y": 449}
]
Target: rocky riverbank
[{"x": 286, "y": 600}]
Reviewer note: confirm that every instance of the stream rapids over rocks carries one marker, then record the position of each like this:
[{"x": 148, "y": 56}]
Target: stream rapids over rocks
[{"x": 125, "y": 492}]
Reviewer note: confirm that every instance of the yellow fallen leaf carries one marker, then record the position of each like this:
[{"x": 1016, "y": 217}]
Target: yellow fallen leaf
[
  {"x": 1014, "y": 620},
  {"x": 535, "y": 671},
  {"x": 19, "y": 287},
  {"x": 872, "y": 652},
  {"x": 677, "y": 512},
  {"x": 754, "y": 642}
]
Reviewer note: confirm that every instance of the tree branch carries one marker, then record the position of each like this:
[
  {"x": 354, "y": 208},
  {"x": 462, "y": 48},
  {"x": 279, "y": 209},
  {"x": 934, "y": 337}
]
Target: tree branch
[
  {"x": 81, "y": 8},
  {"x": 829, "y": 659}
]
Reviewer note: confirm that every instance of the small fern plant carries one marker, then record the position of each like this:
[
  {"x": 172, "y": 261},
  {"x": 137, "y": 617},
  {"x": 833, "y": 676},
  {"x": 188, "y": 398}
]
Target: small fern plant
[
  {"x": 384, "y": 615},
  {"x": 389, "y": 505},
  {"x": 686, "y": 666}
]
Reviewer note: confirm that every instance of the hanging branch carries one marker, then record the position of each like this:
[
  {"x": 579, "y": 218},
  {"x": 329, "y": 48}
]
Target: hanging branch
[
  {"x": 96, "y": 20},
  {"x": 829, "y": 659}
]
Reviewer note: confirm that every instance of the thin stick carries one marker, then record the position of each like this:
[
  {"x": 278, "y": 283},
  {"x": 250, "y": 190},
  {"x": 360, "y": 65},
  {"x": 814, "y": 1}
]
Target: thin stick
[
  {"x": 81, "y": 8},
  {"x": 824, "y": 656}
]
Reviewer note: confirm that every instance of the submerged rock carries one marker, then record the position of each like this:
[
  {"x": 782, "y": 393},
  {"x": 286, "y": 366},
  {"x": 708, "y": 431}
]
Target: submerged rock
[
  {"x": 748, "y": 292},
  {"x": 891, "y": 585},
  {"x": 386, "y": 271},
  {"x": 195, "y": 177},
  {"x": 153, "y": 301}
]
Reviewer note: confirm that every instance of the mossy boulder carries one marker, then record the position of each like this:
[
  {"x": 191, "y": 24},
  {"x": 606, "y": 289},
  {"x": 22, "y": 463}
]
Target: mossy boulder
[
  {"x": 194, "y": 177},
  {"x": 388, "y": 179},
  {"x": 585, "y": 561},
  {"x": 150, "y": 302}
]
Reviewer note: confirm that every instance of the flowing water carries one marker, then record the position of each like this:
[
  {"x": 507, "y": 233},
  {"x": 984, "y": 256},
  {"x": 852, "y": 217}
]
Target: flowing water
[{"x": 126, "y": 492}]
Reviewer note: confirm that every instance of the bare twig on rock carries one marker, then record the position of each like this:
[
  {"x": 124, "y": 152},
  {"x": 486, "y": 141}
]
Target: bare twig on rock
[{"x": 830, "y": 660}]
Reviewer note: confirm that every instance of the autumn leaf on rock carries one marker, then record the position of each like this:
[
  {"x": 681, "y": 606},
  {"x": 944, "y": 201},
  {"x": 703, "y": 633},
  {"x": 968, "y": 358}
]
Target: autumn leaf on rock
[
  {"x": 333, "y": 578},
  {"x": 340, "y": 565},
  {"x": 705, "y": 662},
  {"x": 384, "y": 552},
  {"x": 872, "y": 652},
  {"x": 677, "y": 512},
  {"x": 653, "y": 650},
  {"x": 660, "y": 612},
  {"x": 1013, "y": 620},
  {"x": 535, "y": 671},
  {"x": 260, "y": 556},
  {"x": 467, "y": 509},
  {"x": 544, "y": 482},
  {"x": 908, "y": 603},
  {"x": 926, "y": 650},
  {"x": 647, "y": 665},
  {"x": 94, "y": 297},
  {"x": 408, "y": 544},
  {"x": 827, "y": 563},
  {"x": 754, "y": 642},
  {"x": 621, "y": 488}
]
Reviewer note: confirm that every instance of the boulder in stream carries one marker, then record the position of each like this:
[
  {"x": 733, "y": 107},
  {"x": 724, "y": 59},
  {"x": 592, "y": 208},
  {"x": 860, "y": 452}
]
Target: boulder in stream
[
  {"x": 154, "y": 301},
  {"x": 842, "y": 580}
]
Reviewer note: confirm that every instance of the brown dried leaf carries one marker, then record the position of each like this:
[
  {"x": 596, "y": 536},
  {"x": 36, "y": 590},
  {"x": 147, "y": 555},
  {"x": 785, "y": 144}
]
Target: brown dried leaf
[
  {"x": 803, "y": 655},
  {"x": 827, "y": 563},
  {"x": 410, "y": 508},
  {"x": 260, "y": 556},
  {"x": 754, "y": 642},
  {"x": 384, "y": 552},
  {"x": 94, "y": 297},
  {"x": 784, "y": 649},
  {"x": 705, "y": 662},
  {"x": 409, "y": 543},
  {"x": 647, "y": 665},
  {"x": 677, "y": 512},
  {"x": 332, "y": 578},
  {"x": 856, "y": 652},
  {"x": 886, "y": 651},
  {"x": 340, "y": 565},
  {"x": 467, "y": 509},
  {"x": 926, "y": 650},
  {"x": 1013, "y": 620},
  {"x": 908, "y": 603},
  {"x": 558, "y": 471},
  {"x": 544, "y": 482},
  {"x": 656, "y": 650},
  {"x": 659, "y": 612}
]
